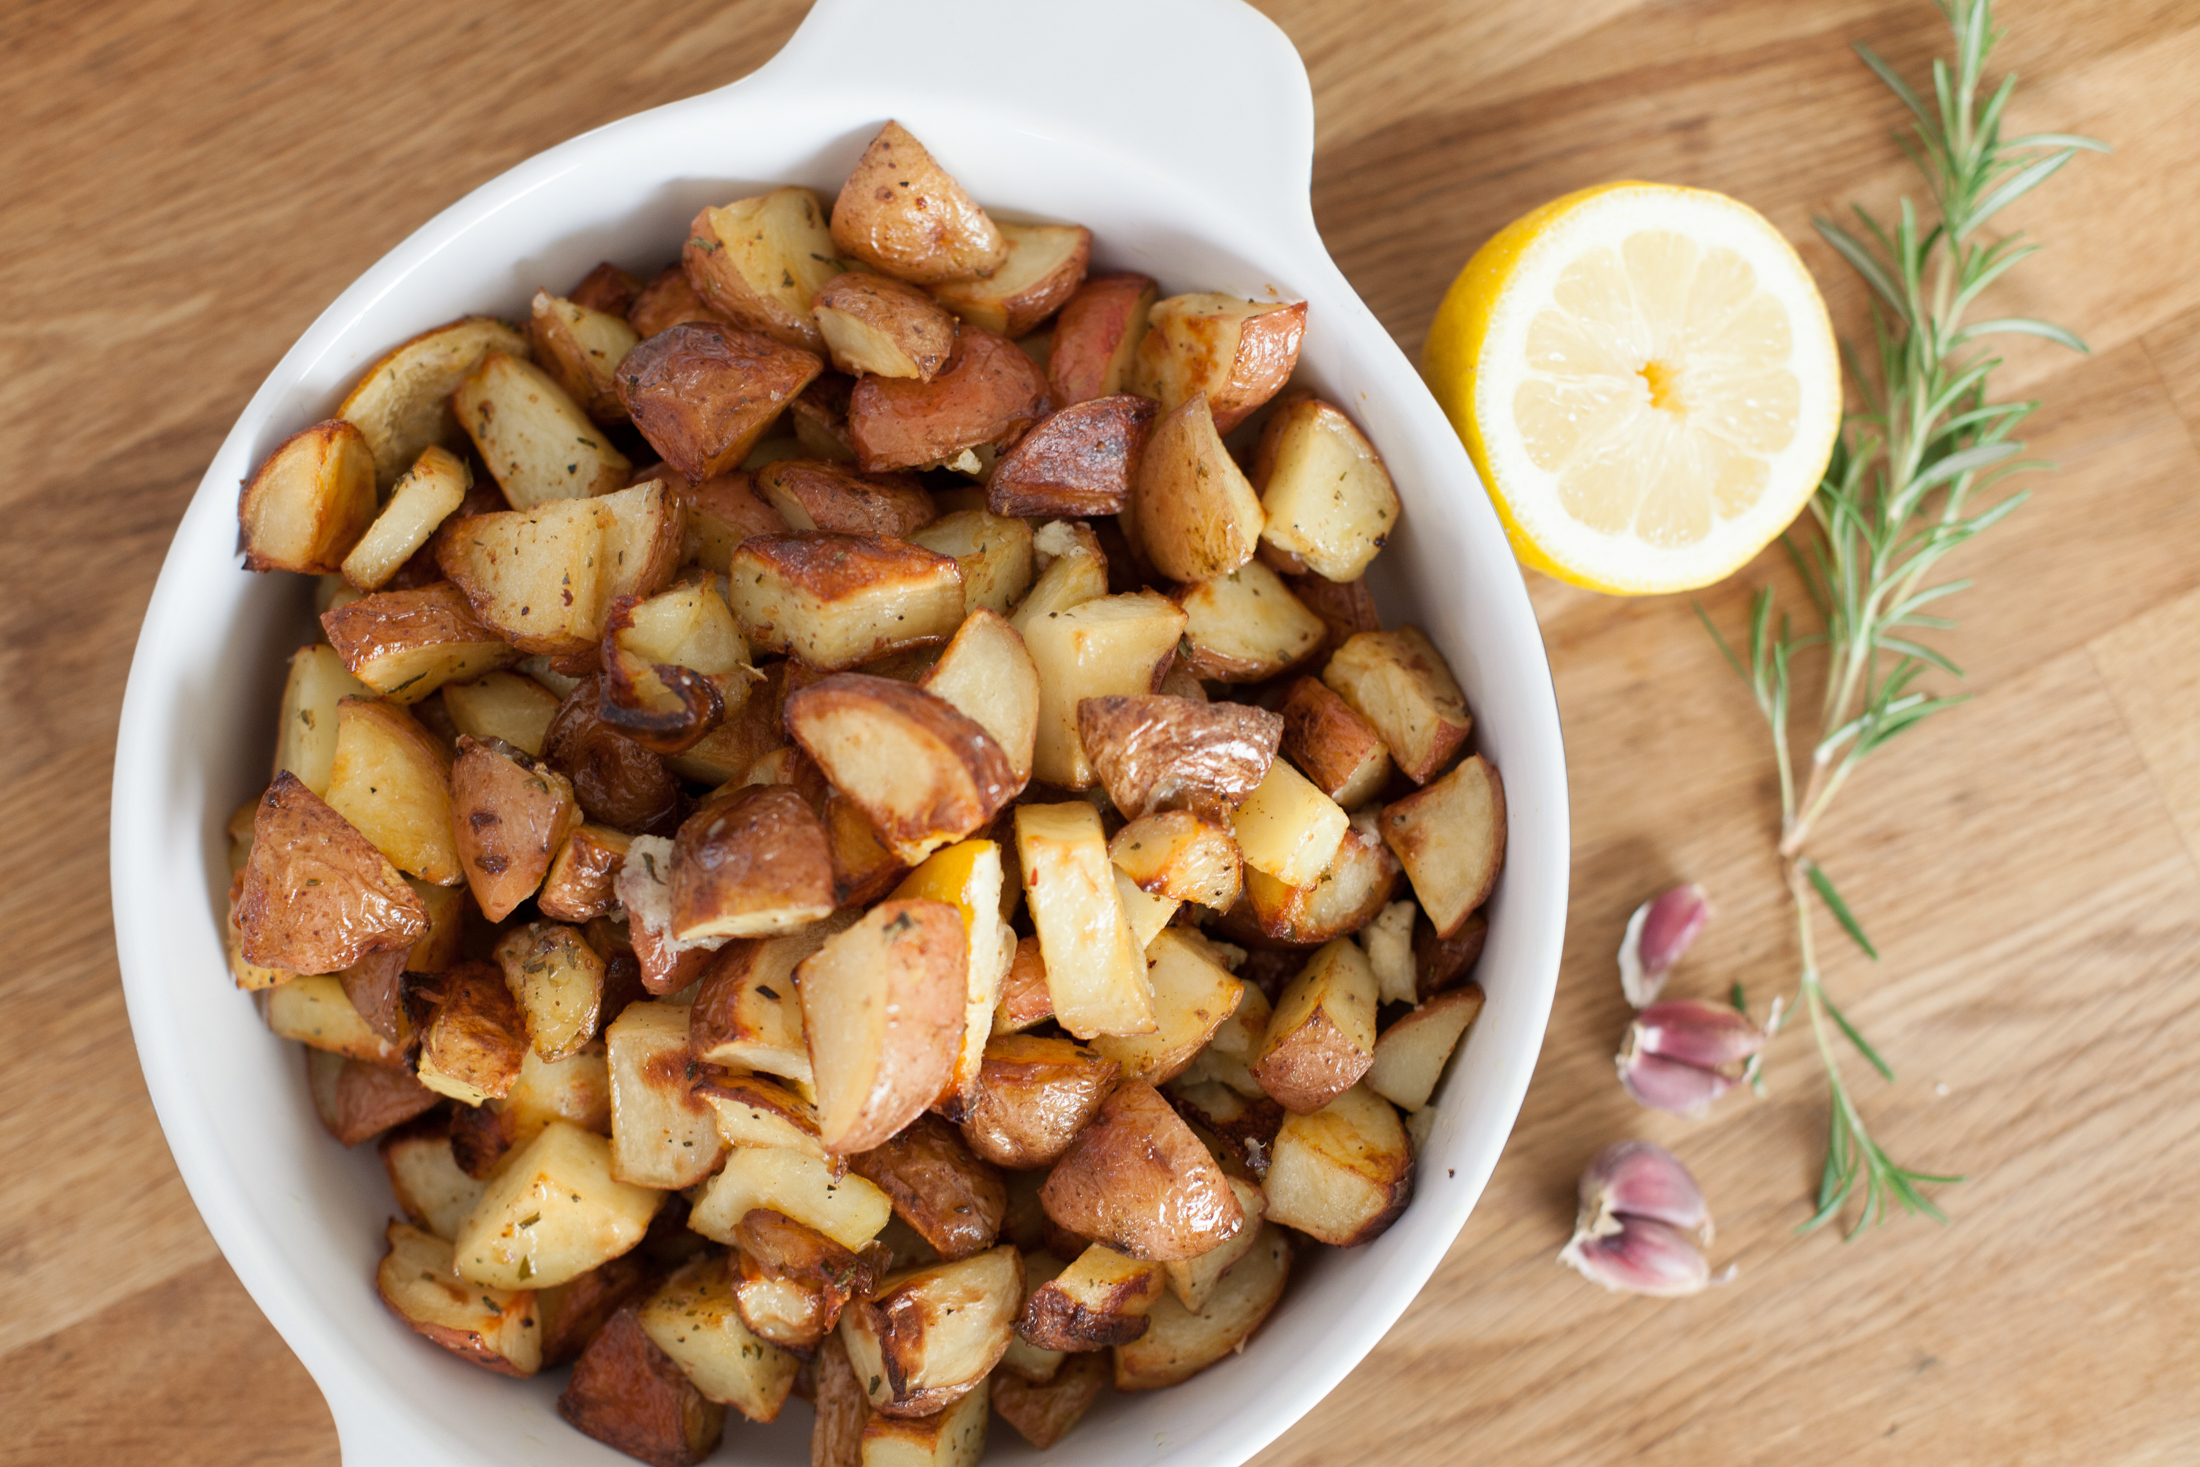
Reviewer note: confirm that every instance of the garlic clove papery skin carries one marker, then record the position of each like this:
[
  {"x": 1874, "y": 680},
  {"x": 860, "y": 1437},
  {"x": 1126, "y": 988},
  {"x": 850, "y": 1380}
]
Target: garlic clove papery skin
[
  {"x": 1640, "y": 1256},
  {"x": 1657, "y": 934},
  {"x": 1706, "y": 1035},
  {"x": 1640, "y": 1179},
  {"x": 1669, "y": 1085}
]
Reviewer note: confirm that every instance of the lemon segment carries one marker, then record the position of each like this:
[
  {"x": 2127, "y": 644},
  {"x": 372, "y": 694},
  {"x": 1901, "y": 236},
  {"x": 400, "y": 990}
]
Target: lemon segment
[{"x": 1647, "y": 381}]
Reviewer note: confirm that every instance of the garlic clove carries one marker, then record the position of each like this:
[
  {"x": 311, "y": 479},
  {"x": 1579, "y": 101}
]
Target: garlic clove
[
  {"x": 1707, "y": 1035},
  {"x": 1641, "y": 1180},
  {"x": 1666, "y": 1084},
  {"x": 1643, "y": 1256},
  {"x": 1657, "y": 934}
]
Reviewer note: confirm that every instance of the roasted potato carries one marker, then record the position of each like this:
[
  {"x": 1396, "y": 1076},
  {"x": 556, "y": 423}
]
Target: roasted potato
[
  {"x": 930, "y": 1335},
  {"x": 1034, "y": 1096},
  {"x": 987, "y": 674},
  {"x": 391, "y": 781},
  {"x": 819, "y": 414},
  {"x": 760, "y": 262},
  {"x": 757, "y": 1110},
  {"x": 1193, "y": 1281},
  {"x": 668, "y": 300},
  {"x": 1099, "y": 1300},
  {"x": 1155, "y": 752},
  {"x": 431, "y": 1190},
  {"x": 358, "y": 1101},
  {"x": 673, "y": 665},
  {"x": 1179, "y": 1343},
  {"x": 1179, "y": 855},
  {"x": 1072, "y": 570},
  {"x": 573, "y": 1313},
  {"x": 1197, "y": 516},
  {"x": 538, "y": 578},
  {"x": 537, "y": 442},
  {"x": 987, "y": 395},
  {"x": 876, "y": 324},
  {"x": 503, "y": 705},
  {"x": 1342, "y": 899},
  {"x": 721, "y": 513},
  {"x": 579, "y": 883},
  {"x": 557, "y": 980},
  {"x": 1410, "y": 1055},
  {"x": 631, "y": 1396},
  {"x": 1043, "y": 1412},
  {"x": 313, "y": 1010},
  {"x": 317, "y": 896},
  {"x": 1139, "y": 1181},
  {"x": 1328, "y": 499},
  {"x": 992, "y": 552},
  {"x": 375, "y": 985},
  {"x": 305, "y": 733},
  {"x": 882, "y": 1004},
  {"x": 1025, "y": 1001},
  {"x": 968, "y": 876},
  {"x": 509, "y": 817},
  {"x": 901, "y": 213},
  {"x": 1096, "y": 968},
  {"x": 1245, "y": 626},
  {"x": 406, "y": 644},
  {"x": 581, "y": 348},
  {"x": 746, "y": 1013},
  {"x": 1237, "y": 353},
  {"x": 1343, "y": 1173},
  {"x": 1192, "y": 995},
  {"x": 1079, "y": 460},
  {"x": 1398, "y": 682},
  {"x": 954, "y": 1200},
  {"x": 616, "y": 781},
  {"x": 836, "y": 1438},
  {"x": 704, "y": 394},
  {"x": 1096, "y": 337},
  {"x": 1045, "y": 265},
  {"x": 1110, "y": 646},
  {"x": 493, "y": 1328},
  {"x": 693, "y": 1319},
  {"x": 663, "y": 1134},
  {"x": 472, "y": 1034},
  {"x": 811, "y": 494},
  {"x": 1147, "y": 914},
  {"x": 1450, "y": 837},
  {"x": 643, "y": 886},
  {"x": 575, "y": 1089},
  {"x": 402, "y": 403},
  {"x": 1338, "y": 750},
  {"x": 752, "y": 865},
  {"x": 1287, "y": 828},
  {"x": 923, "y": 772},
  {"x": 840, "y": 1205},
  {"x": 794, "y": 1281},
  {"x": 1440, "y": 963},
  {"x": 954, "y": 1436},
  {"x": 837, "y": 601},
  {"x": 423, "y": 498},
  {"x": 551, "y": 1212},
  {"x": 1321, "y": 1037},
  {"x": 607, "y": 288}
]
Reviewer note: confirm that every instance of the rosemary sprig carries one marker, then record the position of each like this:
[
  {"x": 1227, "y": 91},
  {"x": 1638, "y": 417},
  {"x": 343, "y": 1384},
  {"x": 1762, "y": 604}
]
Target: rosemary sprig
[{"x": 1911, "y": 478}]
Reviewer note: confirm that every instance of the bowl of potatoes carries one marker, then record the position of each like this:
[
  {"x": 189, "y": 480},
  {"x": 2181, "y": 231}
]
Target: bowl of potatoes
[{"x": 849, "y": 772}]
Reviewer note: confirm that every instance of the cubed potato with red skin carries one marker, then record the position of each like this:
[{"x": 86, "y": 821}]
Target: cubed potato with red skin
[
  {"x": 1321, "y": 1037},
  {"x": 1399, "y": 682},
  {"x": 581, "y": 349},
  {"x": 1096, "y": 337},
  {"x": 579, "y": 883},
  {"x": 953, "y": 1199},
  {"x": 1192, "y": 995},
  {"x": 1096, "y": 967},
  {"x": 747, "y": 1015},
  {"x": 1025, "y": 1000},
  {"x": 1101, "y": 1299},
  {"x": 509, "y": 817},
  {"x": 1287, "y": 828},
  {"x": 703, "y": 395},
  {"x": 317, "y": 896},
  {"x": 931, "y": 1335},
  {"x": 882, "y": 326},
  {"x": 309, "y": 501},
  {"x": 882, "y": 1004},
  {"x": 1450, "y": 837},
  {"x": 391, "y": 779},
  {"x": 836, "y": 1440},
  {"x": 1193, "y": 1281},
  {"x": 628, "y": 1394},
  {"x": 1238, "y": 353},
  {"x": 663, "y": 1134},
  {"x": 572, "y": 1312},
  {"x": 1196, "y": 513},
  {"x": 406, "y": 644},
  {"x": 538, "y": 443},
  {"x": 1441, "y": 963},
  {"x": 1334, "y": 746},
  {"x": 903, "y": 214},
  {"x": 493, "y": 1328},
  {"x": 1045, "y": 265},
  {"x": 1079, "y": 461},
  {"x": 1154, "y": 752},
  {"x": 668, "y": 300},
  {"x": 616, "y": 781},
  {"x": 761, "y": 261},
  {"x": 1341, "y": 1174},
  {"x": 721, "y": 513},
  {"x": 992, "y": 551},
  {"x": 431, "y": 1190},
  {"x": 644, "y": 887},
  {"x": 989, "y": 393},
  {"x": 402, "y": 403},
  {"x": 1138, "y": 1180},
  {"x": 838, "y": 601},
  {"x": 1180, "y": 855},
  {"x": 1043, "y": 1413},
  {"x": 607, "y": 288},
  {"x": 812, "y": 494},
  {"x": 558, "y": 981},
  {"x": 753, "y": 865},
  {"x": 1034, "y": 1095},
  {"x": 358, "y": 1101},
  {"x": 473, "y": 1037},
  {"x": 1180, "y": 1343},
  {"x": 1110, "y": 646},
  {"x": 1411, "y": 1054},
  {"x": 1346, "y": 608},
  {"x": 537, "y": 577},
  {"x": 1344, "y": 897},
  {"x": 987, "y": 673},
  {"x": 1329, "y": 500},
  {"x": 953, "y": 1436},
  {"x": 695, "y": 1319}
]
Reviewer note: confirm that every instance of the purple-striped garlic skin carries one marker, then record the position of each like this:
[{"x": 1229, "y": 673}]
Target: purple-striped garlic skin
[{"x": 1657, "y": 934}]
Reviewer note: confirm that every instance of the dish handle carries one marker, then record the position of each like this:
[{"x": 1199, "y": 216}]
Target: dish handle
[{"x": 1208, "y": 90}]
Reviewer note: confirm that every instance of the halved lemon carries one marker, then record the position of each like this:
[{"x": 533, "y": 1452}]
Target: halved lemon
[{"x": 1647, "y": 381}]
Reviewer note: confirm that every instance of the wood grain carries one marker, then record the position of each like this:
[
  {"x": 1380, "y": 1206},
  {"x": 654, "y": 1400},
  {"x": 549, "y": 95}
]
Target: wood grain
[{"x": 190, "y": 183}]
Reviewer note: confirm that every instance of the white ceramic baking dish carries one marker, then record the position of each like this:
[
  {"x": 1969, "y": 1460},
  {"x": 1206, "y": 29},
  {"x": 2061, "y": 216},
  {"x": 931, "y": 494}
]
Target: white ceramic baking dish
[{"x": 1181, "y": 131}]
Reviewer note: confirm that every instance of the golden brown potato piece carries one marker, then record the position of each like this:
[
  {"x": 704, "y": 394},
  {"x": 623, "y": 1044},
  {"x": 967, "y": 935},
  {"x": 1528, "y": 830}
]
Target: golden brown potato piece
[
  {"x": 721, "y": 513},
  {"x": 969, "y": 877},
  {"x": 1237, "y": 353},
  {"x": 1197, "y": 516},
  {"x": 1178, "y": 1343},
  {"x": 954, "y": 1200},
  {"x": 667, "y": 301},
  {"x": 673, "y": 665},
  {"x": 1450, "y": 837},
  {"x": 901, "y": 213},
  {"x": 930, "y": 1335},
  {"x": 539, "y": 578},
  {"x": 607, "y": 288},
  {"x": 987, "y": 674},
  {"x": 406, "y": 644},
  {"x": 1287, "y": 828},
  {"x": 644, "y": 888},
  {"x": 756, "y": 1110},
  {"x": 428, "y": 493},
  {"x": 1321, "y": 1038},
  {"x": 357, "y": 1100},
  {"x": 473, "y": 1036},
  {"x": 988, "y": 393},
  {"x": 754, "y": 864},
  {"x": 817, "y": 1194},
  {"x": 1345, "y": 607},
  {"x": 1138, "y": 1180},
  {"x": 581, "y": 349},
  {"x": 375, "y": 986},
  {"x": 728, "y": 752},
  {"x": 747, "y": 1015},
  {"x": 1024, "y": 1360},
  {"x": 921, "y": 771},
  {"x": 1025, "y": 999},
  {"x": 951, "y": 1437},
  {"x": 1043, "y": 1413},
  {"x": 1346, "y": 896},
  {"x": 431, "y": 1190},
  {"x": 876, "y": 324},
  {"x": 579, "y": 883},
  {"x": 557, "y": 980},
  {"x": 819, "y": 414},
  {"x": 760, "y": 262},
  {"x": 1154, "y": 752},
  {"x": 811, "y": 494},
  {"x": 537, "y": 442},
  {"x": 1096, "y": 337},
  {"x": 1341, "y": 1174},
  {"x": 1079, "y": 460},
  {"x": 1045, "y": 265},
  {"x": 1099, "y": 1300},
  {"x": 837, "y": 601},
  {"x": 1179, "y": 855},
  {"x": 882, "y": 1004},
  {"x": 575, "y": 1089},
  {"x": 1110, "y": 646},
  {"x": 992, "y": 552},
  {"x": 493, "y": 1328},
  {"x": 317, "y": 896},
  {"x": 551, "y": 1212},
  {"x": 794, "y": 1281},
  {"x": 1328, "y": 498},
  {"x": 629, "y": 1395},
  {"x": 663, "y": 1134},
  {"x": 1193, "y": 1281},
  {"x": 1338, "y": 750},
  {"x": 312, "y": 1009},
  {"x": 509, "y": 816},
  {"x": 616, "y": 781},
  {"x": 1411, "y": 1054},
  {"x": 1440, "y": 963},
  {"x": 1245, "y": 626},
  {"x": 571, "y": 1313},
  {"x": 391, "y": 780},
  {"x": 694, "y": 1319},
  {"x": 703, "y": 395},
  {"x": 1398, "y": 682},
  {"x": 1192, "y": 995},
  {"x": 1072, "y": 570},
  {"x": 309, "y": 502},
  {"x": 1096, "y": 967},
  {"x": 836, "y": 1440},
  {"x": 1034, "y": 1095},
  {"x": 305, "y": 730},
  {"x": 402, "y": 402}
]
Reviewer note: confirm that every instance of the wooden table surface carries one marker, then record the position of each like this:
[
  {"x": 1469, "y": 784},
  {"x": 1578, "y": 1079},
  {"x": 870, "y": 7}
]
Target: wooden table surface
[{"x": 188, "y": 184}]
